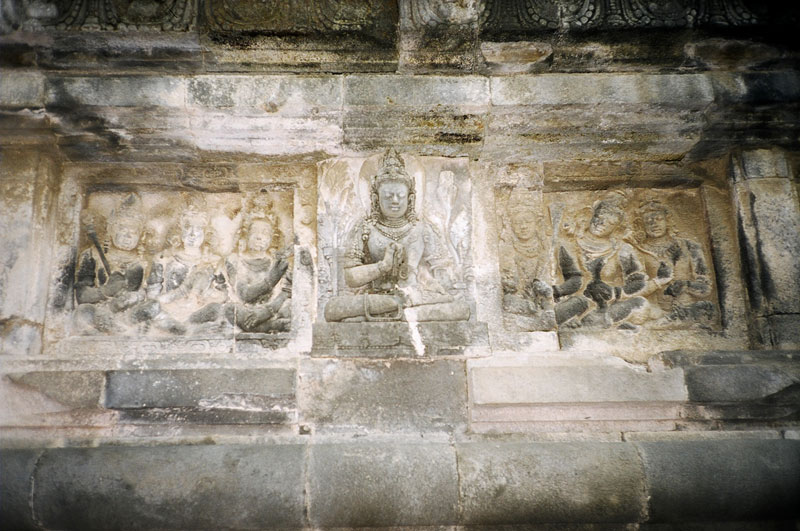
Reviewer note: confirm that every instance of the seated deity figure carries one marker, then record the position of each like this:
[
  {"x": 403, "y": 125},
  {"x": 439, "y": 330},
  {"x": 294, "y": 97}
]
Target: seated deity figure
[
  {"x": 391, "y": 259},
  {"x": 611, "y": 295},
  {"x": 679, "y": 285},
  {"x": 109, "y": 279},
  {"x": 260, "y": 279},
  {"x": 524, "y": 279},
  {"x": 188, "y": 283}
]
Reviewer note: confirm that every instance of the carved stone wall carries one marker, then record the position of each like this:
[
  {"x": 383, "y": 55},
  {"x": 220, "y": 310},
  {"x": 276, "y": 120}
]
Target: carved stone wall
[{"x": 394, "y": 264}]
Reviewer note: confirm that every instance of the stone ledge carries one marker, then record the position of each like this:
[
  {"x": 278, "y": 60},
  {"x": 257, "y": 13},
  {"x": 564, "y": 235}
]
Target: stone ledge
[
  {"x": 379, "y": 483},
  {"x": 397, "y": 339}
]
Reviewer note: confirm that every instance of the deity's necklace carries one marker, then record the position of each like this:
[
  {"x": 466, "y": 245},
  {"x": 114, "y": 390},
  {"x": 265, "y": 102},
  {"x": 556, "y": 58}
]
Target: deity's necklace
[{"x": 396, "y": 233}]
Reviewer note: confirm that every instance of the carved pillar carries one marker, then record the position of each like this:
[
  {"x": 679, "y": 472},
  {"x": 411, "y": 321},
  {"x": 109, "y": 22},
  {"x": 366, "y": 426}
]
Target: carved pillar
[{"x": 768, "y": 215}]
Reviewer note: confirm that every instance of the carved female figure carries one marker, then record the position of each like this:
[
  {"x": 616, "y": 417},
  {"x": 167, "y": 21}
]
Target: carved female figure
[
  {"x": 188, "y": 283},
  {"x": 679, "y": 283},
  {"x": 260, "y": 279},
  {"x": 392, "y": 258},
  {"x": 614, "y": 277},
  {"x": 109, "y": 279}
]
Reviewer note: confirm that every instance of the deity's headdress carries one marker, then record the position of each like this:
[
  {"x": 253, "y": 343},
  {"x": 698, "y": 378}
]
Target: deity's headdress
[
  {"x": 129, "y": 210},
  {"x": 614, "y": 202},
  {"x": 393, "y": 170},
  {"x": 194, "y": 212},
  {"x": 652, "y": 205}
]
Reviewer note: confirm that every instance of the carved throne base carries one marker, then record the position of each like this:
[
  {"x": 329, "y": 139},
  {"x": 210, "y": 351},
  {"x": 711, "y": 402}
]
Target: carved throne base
[{"x": 397, "y": 339}]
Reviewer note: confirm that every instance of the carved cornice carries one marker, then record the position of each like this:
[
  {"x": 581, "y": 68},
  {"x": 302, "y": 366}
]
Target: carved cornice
[{"x": 528, "y": 15}]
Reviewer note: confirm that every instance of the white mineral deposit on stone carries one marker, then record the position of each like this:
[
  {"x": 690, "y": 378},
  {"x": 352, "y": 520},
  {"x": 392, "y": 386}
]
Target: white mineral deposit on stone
[{"x": 416, "y": 338}]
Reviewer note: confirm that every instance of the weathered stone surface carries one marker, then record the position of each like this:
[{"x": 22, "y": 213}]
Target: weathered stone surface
[
  {"x": 181, "y": 487},
  {"x": 79, "y": 389},
  {"x": 211, "y": 388},
  {"x": 403, "y": 396},
  {"x": 785, "y": 331},
  {"x": 530, "y": 385},
  {"x": 22, "y": 89},
  {"x": 437, "y": 115},
  {"x": 687, "y": 91},
  {"x": 722, "y": 53},
  {"x": 515, "y": 57},
  {"x": 721, "y": 480},
  {"x": 394, "y": 340},
  {"x": 122, "y": 91},
  {"x": 380, "y": 485},
  {"x": 302, "y": 111},
  {"x": 775, "y": 211},
  {"x": 732, "y": 383},
  {"x": 518, "y": 483},
  {"x": 16, "y": 487}
]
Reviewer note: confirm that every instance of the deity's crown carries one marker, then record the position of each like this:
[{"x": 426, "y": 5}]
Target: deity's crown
[
  {"x": 130, "y": 210},
  {"x": 652, "y": 205},
  {"x": 392, "y": 169}
]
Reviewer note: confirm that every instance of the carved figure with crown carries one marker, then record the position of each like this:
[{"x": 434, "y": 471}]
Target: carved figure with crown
[
  {"x": 679, "y": 284},
  {"x": 259, "y": 275},
  {"x": 109, "y": 279},
  {"x": 609, "y": 292},
  {"x": 188, "y": 281},
  {"x": 391, "y": 259}
]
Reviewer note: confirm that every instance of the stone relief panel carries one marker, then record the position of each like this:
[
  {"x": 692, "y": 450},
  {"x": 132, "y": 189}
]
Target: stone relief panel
[
  {"x": 394, "y": 239},
  {"x": 394, "y": 236},
  {"x": 89, "y": 15},
  {"x": 613, "y": 260},
  {"x": 522, "y": 15},
  {"x": 375, "y": 17},
  {"x": 184, "y": 264}
]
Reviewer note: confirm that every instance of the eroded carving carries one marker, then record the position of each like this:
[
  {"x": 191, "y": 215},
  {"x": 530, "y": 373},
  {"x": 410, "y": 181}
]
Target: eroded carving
[
  {"x": 521, "y": 15},
  {"x": 395, "y": 264},
  {"x": 180, "y": 264},
  {"x": 375, "y": 17},
  {"x": 679, "y": 284},
  {"x": 619, "y": 263},
  {"x": 166, "y": 15}
]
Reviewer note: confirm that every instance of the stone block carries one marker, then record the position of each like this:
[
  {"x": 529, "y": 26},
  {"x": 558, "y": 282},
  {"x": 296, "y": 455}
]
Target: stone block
[
  {"x": 117, "y": 91},
  {"x": 678, "y": 90},
  {"x": 266, "y": 94},
  {"x": 728, "y": 54},
  {"x": 20, "y": 338},
  {"x": 16, "y": 487},
  {"x": 515, "y": 57},
  {"x": 21, "y": 89},
  {"x": 529, "y": 483},
  {"x": 532, "y": 385},
  {"x": 78, "y": 389},
  {"x": 397, "y": 339},
  {"x": 772, "y": 209},
  {"x": 785, "y": 331},
  {"x": 401, "y": 396},
  {"x": 428, "y": 114},
  {"x": 760, "y": 164},
  {"x": 218, "y": 396},
  {"x": 738, "y": 383},
  {"x": 728, "y": 480},
  {"x": 415, "y": 91},
  {"x": 378, "y": 485},
  {"x": 173, "y": 487}
]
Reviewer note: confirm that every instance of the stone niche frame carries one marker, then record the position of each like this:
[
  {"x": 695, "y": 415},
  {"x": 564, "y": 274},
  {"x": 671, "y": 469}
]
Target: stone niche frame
[
  {"x": 445, "y": 202},
  {"x": 294, "y": 181},
  {"x": 547, "y": 184}
]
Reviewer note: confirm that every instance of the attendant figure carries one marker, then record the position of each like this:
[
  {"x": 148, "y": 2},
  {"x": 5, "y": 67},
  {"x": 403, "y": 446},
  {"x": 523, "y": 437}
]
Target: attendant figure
[
  {"x": 260, "y": 278},
  {"x": 188, "y": 282},
  {"x": 109, "y": 278},
  {"x": 610, "y": 290},
  {"x": 679, "y": 285}
]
